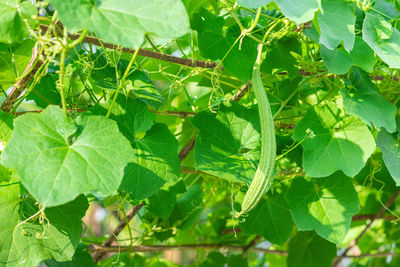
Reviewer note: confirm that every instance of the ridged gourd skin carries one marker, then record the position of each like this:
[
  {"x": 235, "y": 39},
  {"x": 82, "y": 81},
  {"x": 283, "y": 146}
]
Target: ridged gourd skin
[{"x": 265, "y": 170}]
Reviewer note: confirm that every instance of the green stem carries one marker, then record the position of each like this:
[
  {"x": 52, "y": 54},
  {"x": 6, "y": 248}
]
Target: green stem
[
  {"x": 89, "y": 229},
  {"x": 286, "y": 101},
  {"x": 61, "y": 79},
  {"x": 121, "y": 82},
  {"x": 38, "y": 76},
  {"x": 255, "y": 22},
  {"x": 263, "y": 15},
  {"x": 242, "y": 29},
  {"x": 229, "y": 50},
  {"x": 270, "y": 30},
  {"x": 151, "y": 43},
  {"x": 79, "y": 40},
  {"x": 291, "y": 149},
  {"x": 33, "y": 64}
]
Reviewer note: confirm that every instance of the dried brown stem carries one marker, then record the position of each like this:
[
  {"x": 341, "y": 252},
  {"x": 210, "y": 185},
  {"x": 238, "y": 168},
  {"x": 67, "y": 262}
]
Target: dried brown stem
[
  {"x": 33, "y": 66},
  {"x": 372, "y": 220},
  {"x": 252, "y": 244},
  {"x": 374, "y": 255},
  {"x": 21, "y": 84},
  {"x": 241, "y": 92},
  {"x": 364, "y": 217},
  {"x": 186, "y": 149},
  {"x": 143, "y": 52},
  {"x": 180, "y": 114},
  {"x": 157, "y": 248},
  {"x": 99, "y": 255}
]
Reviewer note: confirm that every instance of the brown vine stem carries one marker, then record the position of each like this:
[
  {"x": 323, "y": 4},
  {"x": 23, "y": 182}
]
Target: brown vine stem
[
  {"x": 177, "y": 60},
  {"x": 241, "y": 92},
  {"x": 21, "y": 84},
  {"x": 160, "y": 248},
  {"x": 187, "y": 148},
  {"x": 100, "y": 254},
  {"x": 375, "y": 255},
  {"x": 379, "y": 214},
  {"x": 33, "y": 66},
  {"x": 143, "y": 52},
  {"x": 157, "y": 248},
  {"x": 180, "y": 114},
  {"x": 252, "y": 244},
  {"x": 360, "y": 217},
  {"x": 364, "y": 217}
]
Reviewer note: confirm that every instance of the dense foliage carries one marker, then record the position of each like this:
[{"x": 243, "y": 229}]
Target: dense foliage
[{"x": 145, "y": 109}]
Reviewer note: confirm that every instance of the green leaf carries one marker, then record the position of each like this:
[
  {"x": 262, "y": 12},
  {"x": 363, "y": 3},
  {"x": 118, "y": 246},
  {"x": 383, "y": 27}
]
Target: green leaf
[
  {"x": 131, "y": 115},
  {"x": 209, "y": 27},
  {"x": 192, "y": 6},
  {"x": 81, "y": 258},
  {"x": 156, "y": 163},
  {"x": 339, "y": 143},
  {"x": 6, "y": 126},
  {"x": 386, "y": 7},
  {"x": 7, "y": 176},
  {"x": 299, "y": 11},
  {"x": 228, "y": 144},
  {"x": 307, "y": 249},
  {"x": 214, "y": 259},
  {"x": 125, "y": 259},
  {"x": 187, "y": 206},
  {"x": 143, "y": 88},
  {"x": 162, "y": 203},
  {"x": 325, "y": 205},
  {"x": 362, "y": 55},
  {"x": 312, "y": 33},
  {"x": 103, "y": 76},
  {"x": 384, "y": 41},
  {"x": 12, "y": 27},
  {"x": 389, "y": 144},
  {"x": 241, "y": 58},
  {"x": 367, "y": 103},
  {"x": 69, "y": 157},
  {"x": 124, "y": 22},
  {"x": 45, "y": 92},
  {"x": 271, "y": 219},
  {"x": 336, "y": 24},
  {"x": 237, "y": 261},
  {"x": 214, "y": 44},
  {"x": 253, "y": 3},
  {"x": 338, "y": 61},
  {"x": 13, "y": 60},
  {"x": 9, "y": 207},
  {"x": 279, "y": 57},
  {"x": 61, "y": 233}
]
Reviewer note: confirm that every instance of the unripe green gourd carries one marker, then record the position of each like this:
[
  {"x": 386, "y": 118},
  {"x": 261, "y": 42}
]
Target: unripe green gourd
[{"x": 264, "y": 173}]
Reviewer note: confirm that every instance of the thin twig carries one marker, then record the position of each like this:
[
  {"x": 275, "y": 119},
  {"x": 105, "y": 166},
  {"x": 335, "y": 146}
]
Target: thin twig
[
  {"x": 98, "y": 256},
  {"x": 21, "y": 84},
  {"x": 374, "y": 255},
  {"x": 241, "y": 92},
  {"x": 252, "y": 244},
  {"x": 143, "y": 52},
  {"x": 157, "y": 248},
  {"x": 187, "y": 148},
  {"x": 364, "y": 217},
  {"x": 180, "y": 114},
  {"x": 372, "y": 220}
]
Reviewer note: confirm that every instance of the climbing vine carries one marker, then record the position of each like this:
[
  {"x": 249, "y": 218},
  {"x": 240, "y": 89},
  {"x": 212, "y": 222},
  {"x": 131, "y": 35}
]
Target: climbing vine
[{"x": 130, "y": 129}]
